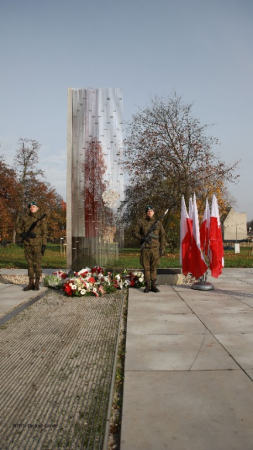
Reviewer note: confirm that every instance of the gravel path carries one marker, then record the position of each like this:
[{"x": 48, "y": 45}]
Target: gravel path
[{"x": 57, "y": 359}]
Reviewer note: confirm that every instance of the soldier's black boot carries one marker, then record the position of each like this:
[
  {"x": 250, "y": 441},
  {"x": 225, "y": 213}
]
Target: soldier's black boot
[
  {"x": 37, "y": 284},
  {"x": 153, "y": 286},
  {"x": 30, "y": 286},
  {"x": 147, "y": 288}
]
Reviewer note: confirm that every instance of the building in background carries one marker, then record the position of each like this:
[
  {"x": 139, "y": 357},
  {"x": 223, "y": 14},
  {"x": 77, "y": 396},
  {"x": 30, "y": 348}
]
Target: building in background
[
  {"x": 95, "y": 180},
  {"x": 235, "y": 226}
]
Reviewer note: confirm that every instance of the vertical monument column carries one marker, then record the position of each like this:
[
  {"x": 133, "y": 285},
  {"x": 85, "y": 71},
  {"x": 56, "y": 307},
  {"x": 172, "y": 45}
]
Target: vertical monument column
[{"x": 95, "y": 180}]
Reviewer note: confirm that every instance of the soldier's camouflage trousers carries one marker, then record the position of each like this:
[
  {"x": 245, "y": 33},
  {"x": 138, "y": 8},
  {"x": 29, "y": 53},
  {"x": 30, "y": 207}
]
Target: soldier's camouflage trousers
[
  {"x": 149, "y": 260},
  {"x": 33, "y": 257}
]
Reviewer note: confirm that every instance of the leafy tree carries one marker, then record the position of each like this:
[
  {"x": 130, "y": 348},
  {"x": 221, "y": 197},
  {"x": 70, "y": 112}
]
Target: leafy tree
[
  {"x": 51, "y": 203},
  {"x": 9, "y": 188},
  {"x": 168, "y": 154}
]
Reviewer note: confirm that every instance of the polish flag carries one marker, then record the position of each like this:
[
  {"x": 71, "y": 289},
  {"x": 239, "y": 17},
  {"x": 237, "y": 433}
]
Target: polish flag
[
  {"x": 198, "y": 264},
  {"x": 205, "y": 230},
  {"x": 185, "y": 239},
  {"x": 216, "y": 255}
]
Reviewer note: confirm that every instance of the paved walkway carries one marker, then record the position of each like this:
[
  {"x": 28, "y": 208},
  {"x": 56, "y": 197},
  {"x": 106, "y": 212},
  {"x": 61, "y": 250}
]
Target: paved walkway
[{"x": 189, "y": 367}]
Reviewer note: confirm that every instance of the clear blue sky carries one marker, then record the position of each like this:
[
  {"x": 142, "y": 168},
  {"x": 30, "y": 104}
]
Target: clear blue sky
[{"x": 202, "y": 49}]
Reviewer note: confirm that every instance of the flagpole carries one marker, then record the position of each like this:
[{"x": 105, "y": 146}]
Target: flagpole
[{"x": 202, "y": 284}]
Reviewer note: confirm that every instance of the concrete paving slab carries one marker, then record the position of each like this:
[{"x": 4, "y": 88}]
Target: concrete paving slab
[
  {"x": 247, "y": 301},
  {"x": 193, "y": 293},
  {"x": 12, "y": 295},
  {"x": 227, "y": 323},
  {"x": 194, "y": 410},
  {"x": 220, "y": 284},
  {"x": 241, "y": 295},
  {"x": 165, "y": 301},
  {"x": 216, "y": 306},
  {"x": 250, "y": 373},
  {"x": 237, "y": 293},
  {"x": 13, "y": 271},
  {"x": 233, "y": 276},
  {"x": 4, "y": 286},
  {"x": 240, "y": 346},
  {"x": 166, "y": 306},
  {"x": 240, "y": 285},
  {"x": 166, "y": 292},
  {"x": 164, "y": 324},
  {"x": 239, "y": 274},
  {"x": 24, "y": 271},
  {"x": 218, "y": 291},
  {"x": 176, "y": 352}
]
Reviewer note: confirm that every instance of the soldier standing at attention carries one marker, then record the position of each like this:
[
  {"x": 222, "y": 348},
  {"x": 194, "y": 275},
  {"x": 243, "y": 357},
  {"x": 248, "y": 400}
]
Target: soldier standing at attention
[
  {"x": 154, "y": 247},
  {"x": 35, "y": 241}
]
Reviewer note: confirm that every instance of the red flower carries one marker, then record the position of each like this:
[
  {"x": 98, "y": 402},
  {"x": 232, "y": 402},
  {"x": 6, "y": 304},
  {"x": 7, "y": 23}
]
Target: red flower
[
  {"x": 132, "y": 283},
  {"x": 83, "y": 274},
  {"x": 64, "y": 275},
  {"x": 92, "y": 280},
  {"x": 67, "y": 289}
]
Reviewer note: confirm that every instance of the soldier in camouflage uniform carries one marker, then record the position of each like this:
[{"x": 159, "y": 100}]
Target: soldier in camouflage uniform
[
  {"x": 34, "y": 246},
  {"x": 151, "y": 252}
]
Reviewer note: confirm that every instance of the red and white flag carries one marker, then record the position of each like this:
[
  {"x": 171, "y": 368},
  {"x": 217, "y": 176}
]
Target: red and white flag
[
  {"x": 198, "y": 264},
  {"x": 205, "y": 230},
  {"x": 216, "y": 255},
  {"x": 185, "y": 239}
]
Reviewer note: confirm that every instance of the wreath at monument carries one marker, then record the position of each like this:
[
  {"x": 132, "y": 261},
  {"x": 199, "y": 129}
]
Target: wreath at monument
[{"x": 93, "y": 282}]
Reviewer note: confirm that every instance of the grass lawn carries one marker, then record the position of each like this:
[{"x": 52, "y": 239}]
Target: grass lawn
[
  {"x": 242, "y": 259},
  {"x": 12, "y": 257},
  {"x": 130, "y": 259}
]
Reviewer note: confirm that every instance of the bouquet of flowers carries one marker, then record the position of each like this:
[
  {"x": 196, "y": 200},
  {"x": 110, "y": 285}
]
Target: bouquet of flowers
[
  {"x": 93, "y": 282},
  {"x": 56, "y": 280},
  {"x": 134, "y": 279}
]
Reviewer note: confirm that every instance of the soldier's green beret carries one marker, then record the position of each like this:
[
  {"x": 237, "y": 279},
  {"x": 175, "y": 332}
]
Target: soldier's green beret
[
  {"x": 148, "y": 208},
  {"x": 32, "y": 203}
]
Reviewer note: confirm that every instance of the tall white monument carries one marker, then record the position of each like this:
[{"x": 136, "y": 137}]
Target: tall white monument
[{"x": 95, "y": 180}]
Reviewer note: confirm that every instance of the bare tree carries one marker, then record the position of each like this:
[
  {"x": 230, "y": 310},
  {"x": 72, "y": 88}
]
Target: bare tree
[
  {"x": 169, "y": 154},
  {"x": 25, "y": 163}
]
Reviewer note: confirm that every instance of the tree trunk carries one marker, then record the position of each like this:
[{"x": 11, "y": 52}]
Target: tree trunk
[{"x": 14, "y": 236}]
